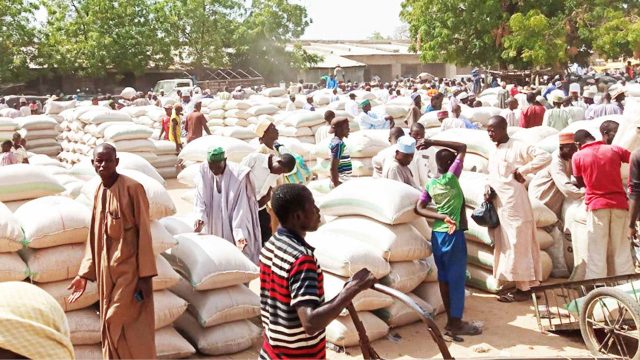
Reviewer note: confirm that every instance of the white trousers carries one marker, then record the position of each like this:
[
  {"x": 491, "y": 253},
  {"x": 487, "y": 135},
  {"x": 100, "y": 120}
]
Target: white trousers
[{"x": 608, "y": 249}]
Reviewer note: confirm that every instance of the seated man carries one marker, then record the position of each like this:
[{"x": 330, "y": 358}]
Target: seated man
[{"x": 367, "y": 119}]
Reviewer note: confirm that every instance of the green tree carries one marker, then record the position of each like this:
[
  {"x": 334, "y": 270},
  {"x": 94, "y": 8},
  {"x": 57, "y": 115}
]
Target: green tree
[
  {"x": 17, "y": 35},
  {"x": 376, "y": 36},
  {"x": 522, "y": 33},
  {"x": 264, "y": 34},
  {"x": 89, "y": 37}
]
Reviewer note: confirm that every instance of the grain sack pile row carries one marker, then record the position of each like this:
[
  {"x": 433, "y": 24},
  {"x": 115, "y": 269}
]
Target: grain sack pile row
[
  {"x": 384, "y": 236},
  {"x": 43, "y": 238}
]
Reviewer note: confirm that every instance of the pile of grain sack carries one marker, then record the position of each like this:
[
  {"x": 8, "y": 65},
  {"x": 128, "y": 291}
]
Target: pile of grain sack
[
  {"x": 200, "y": 307},
  {"x": 384, "y": 235}
]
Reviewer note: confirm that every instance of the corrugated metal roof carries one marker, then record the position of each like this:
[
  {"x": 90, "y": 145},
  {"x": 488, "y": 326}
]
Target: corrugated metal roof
[{"x": 337, "y": 52}]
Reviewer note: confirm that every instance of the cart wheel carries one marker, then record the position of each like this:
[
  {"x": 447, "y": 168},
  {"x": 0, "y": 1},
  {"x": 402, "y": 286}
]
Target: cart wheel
[{"x": 610, "y": 323}]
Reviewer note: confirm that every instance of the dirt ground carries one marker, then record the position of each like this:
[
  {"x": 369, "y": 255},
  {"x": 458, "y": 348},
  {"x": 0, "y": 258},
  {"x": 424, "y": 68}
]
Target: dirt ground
[{"x": 510, "y": 330}]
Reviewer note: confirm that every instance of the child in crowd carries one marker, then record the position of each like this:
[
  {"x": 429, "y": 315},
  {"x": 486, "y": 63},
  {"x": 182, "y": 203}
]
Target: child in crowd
[
  {"x": 7, "y": 157},
  {"x": 447, "y": 237},
  {"x": 341, "y": 166}
]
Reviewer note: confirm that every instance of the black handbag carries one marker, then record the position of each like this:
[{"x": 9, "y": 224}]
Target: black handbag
[{"x": 486, "y": 215}]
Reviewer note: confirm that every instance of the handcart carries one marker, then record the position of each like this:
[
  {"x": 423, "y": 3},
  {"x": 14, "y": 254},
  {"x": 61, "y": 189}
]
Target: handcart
[
  {"x": 606, "y": 311},
  {"x": 367, "y": 350}
]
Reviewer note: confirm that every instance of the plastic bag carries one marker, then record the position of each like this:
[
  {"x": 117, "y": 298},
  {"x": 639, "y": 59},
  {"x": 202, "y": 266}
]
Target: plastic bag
[{"x": 486, "y": 215}]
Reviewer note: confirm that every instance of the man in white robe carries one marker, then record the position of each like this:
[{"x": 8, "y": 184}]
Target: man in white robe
[
  {"x": 225, "y": 203},
  {"x": 517, "y": 252}
]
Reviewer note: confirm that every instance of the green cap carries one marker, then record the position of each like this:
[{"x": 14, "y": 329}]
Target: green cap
[
  {"x": 215, "y": 154},
  {"x": 365, "y": 103}
]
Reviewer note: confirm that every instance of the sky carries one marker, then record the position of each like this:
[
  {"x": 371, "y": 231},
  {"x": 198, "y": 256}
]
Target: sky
[{"x": 351, "y": 19}]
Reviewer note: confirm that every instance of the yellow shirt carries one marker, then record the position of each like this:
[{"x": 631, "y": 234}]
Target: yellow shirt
[{"x": 175, "y": 126}]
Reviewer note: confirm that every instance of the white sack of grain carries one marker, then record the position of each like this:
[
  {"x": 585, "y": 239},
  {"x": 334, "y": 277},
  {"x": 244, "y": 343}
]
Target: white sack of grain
[
  {"x": 178, "y": 224},
  {"x": 99, "y": 116},
  {"x": 60, "y": 292},
  {"x": 219, "y": 306},
  {"x": 56, "y": 107},
  {"x": 162, "y": 240},
  {"x": 303, "y": 118},
  {"x": 406, "y": 275},
  {"x": 160, "y": 203},
  {"x": 167, "y": 277},
  {"x": 84, "y": 326},
  {"x": 167, "y": 307},
  {"x": 11, "y": 235},
  {"x": 223, "y": 339},
  {"x": 430, "y": 293},
  {"x": 342, "y": 331},
  {"x": 54, "y": 263},
  {"x": 12, "y": 267},
  {"x": 210, "y": 262},
  {"x": 401, "y": 242},
  {"x": 394, "y": 202},
  {"x": 367, "y": 300},
  {"x": 23, "y": 182},
  {"x": 171, "y": 345},
  {"x": 398, "y": 314},
  {"x": 127, "y": 132},
  {"x": 52, "y": 221},
  {"x": 352, "y": 257},
  {"x": 235, "y": 149}
]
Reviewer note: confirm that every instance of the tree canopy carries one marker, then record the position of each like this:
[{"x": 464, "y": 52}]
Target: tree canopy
[
  {"x": 522, "y": 33},
  {"x": 91, "y": 37}
]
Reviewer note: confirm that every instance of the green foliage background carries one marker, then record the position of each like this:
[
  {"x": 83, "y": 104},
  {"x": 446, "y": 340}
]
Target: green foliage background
[
  {"x": 522, "y": 33},
  {"x": 91, "y": 37}
]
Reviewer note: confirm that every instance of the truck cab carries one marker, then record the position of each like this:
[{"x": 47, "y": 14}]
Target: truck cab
[{"x": 170, "y": 86}]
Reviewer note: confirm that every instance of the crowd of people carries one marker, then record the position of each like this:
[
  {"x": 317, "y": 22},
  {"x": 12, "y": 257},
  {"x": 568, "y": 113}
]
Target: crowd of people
[{"x": 237, "y": 201}]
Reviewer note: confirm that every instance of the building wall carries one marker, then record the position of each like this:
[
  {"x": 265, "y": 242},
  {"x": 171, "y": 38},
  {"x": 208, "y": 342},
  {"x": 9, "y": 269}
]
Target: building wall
[{"x": 314, "y": 75}]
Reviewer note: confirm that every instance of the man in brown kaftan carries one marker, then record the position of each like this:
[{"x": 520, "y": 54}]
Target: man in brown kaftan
[{"x": 120, "y": 258}]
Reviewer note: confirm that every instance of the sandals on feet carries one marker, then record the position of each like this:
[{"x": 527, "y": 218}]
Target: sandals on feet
[
  {"x": 514, "y": 296},
  {"x": 465, "y": 329}
]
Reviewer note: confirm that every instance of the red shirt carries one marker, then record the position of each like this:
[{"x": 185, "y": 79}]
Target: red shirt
[
  {"x": 599, "y": 166},
  {"x": 165, "y": 126},
  {"x": 532, "y": 116},
  {"x": 514, "y": 91}
]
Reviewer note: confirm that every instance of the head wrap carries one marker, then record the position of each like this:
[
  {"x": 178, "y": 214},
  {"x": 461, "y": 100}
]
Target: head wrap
[
  {"x": 617, "y": 93},
  {"x": 263, "y": 125},
  {"x": 589, "y": 94},
  {"x": 558, "y": 99},
  {"x": 216, "y": 154},
  {"x": 32, "y": 323},
  {"x": 406, "y": 145},
  {"x": 574, "y": 87},
  {"x": 463, "y": 95},
  {"x": 565, "y": 138},
  {"x": 365, "y": 103},
  {"x": 414, "y": 96}
]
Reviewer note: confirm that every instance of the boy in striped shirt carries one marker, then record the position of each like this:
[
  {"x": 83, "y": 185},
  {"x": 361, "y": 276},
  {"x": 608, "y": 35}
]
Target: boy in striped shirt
[
  {"x": 340, "y": 159},
  {"x": 293, "y": 311}
]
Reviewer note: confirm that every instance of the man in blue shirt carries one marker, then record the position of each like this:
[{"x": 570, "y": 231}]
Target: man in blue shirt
[
  {"x": 332, "y": 83},
  {"x": 367, "y": 119}
]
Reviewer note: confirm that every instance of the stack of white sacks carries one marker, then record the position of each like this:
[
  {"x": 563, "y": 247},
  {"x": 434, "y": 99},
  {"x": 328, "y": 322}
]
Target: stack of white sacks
[
  {"x": 40, "y": 132},
  {"x": 8, "y": 126},
  {"x": 222, "y": 311},
  {"x": 384, "y": 236}
]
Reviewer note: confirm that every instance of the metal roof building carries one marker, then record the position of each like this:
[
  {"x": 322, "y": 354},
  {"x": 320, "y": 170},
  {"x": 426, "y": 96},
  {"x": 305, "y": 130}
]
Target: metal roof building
[{"x": 364, "y": 59}]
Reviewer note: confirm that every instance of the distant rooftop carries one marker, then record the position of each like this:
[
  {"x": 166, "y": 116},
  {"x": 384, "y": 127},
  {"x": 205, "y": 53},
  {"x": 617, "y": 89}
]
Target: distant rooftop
[{"x": 338, "y": 52}]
